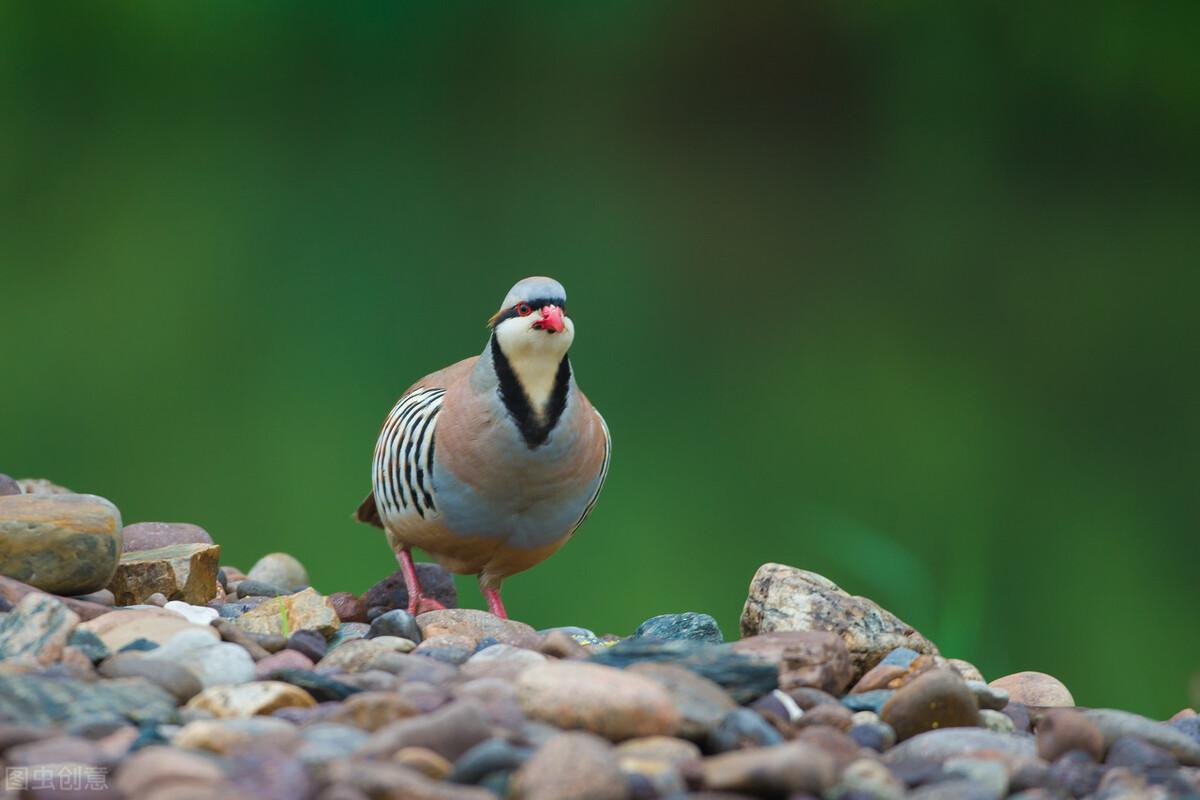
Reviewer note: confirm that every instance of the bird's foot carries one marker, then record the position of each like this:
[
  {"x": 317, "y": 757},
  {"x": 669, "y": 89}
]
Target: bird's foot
[
  {"x": 495, "y": 604},
  {"x": 419, "y": 604}
]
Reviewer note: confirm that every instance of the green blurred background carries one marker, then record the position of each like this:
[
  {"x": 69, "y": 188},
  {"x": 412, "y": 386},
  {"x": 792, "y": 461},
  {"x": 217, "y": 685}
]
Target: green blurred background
[{"x": 904, "y": 296}]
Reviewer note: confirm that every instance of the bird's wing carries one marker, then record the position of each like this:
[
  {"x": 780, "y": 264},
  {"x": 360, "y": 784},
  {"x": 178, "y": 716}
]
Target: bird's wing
[
  {"x": 402, "y": 470},
  {"x": 603, "y": 473}
]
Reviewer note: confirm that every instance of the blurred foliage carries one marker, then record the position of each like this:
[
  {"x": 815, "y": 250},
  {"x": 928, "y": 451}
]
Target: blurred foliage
[{"x": 901, "y": 294}]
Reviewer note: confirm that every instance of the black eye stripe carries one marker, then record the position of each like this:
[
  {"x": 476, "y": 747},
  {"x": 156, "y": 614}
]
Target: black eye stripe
[{"x": 536, "y": 305}]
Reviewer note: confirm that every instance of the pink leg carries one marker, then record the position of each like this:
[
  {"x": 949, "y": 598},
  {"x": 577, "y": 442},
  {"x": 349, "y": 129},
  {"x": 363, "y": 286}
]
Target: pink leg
[
  {"x": 418, "y": 603},
  {"x": 495, "y": 604}
]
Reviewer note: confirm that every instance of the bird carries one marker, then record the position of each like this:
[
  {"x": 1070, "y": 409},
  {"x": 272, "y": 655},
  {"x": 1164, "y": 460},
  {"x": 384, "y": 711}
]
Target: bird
[{"x": 492, "y": 463}]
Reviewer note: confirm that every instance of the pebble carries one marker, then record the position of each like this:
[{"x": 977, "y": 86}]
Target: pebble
[
  {"x": 371, "y": 711},
  {"x": 996, "y": 721},
  {"x": 283, "y": 660},
  {"x": 325, "y": 741},
  {"x": 279, "y": 569},
  {"x": 33, "y": 700},
  {"x": 1075, "y": 773},
  {"x": 966, "y": 670},
  {"x": 1115, "y": 724},
  {"x": 9, "y": 486},
  {"x": 153, "y": 535},
  {"x": 214, "y": 663},
  {"x": 603, "y": 700},
  {"x": 1063, "y": 730},
  {"x": 38, "y": 627},
  {"x": 784, "y": 598},
  {"x": 346, "y": 632},
  {"x": 394, "y": 781},
  {"x": 396, "y": 622},
  {"x": 744, "y": 677},
  {"x": 819, "y": 660},
  {"x": 60, "y": 543},
  {"x": 742, "y": 728},
  {"x": 223, "y": 736},
  {"x": 119, "y": 628},
  {"x": 186, "y": 572},
  {"x": 833, "y": 715},
  {"x": 249, "y": 587},
  {"x": 160, "y": 772},
  {"x": 390, "y": 593},
  {"x": 500, "y": 660},
  {"x": 936, "y": 699},
  {"x": 449, "y": 648},
  {"x": 1129, "y": 751},
  {"x": 424, "y": 761},
  {"x": 251, "y": 644},
  {"x": 304, "y": 610},
  {"x": 197, "y": 615},
  {"x": 780, "y": 770},
  {"x": 690, "y": 625},
  {"x": 449, "y": 731},
  {"x": 398, "y": 644},
  {"x": 877, "y": 736},
  {"x": 987, "y": 696},
  {"x": 487, "y": 757},
  {"x": 868, "y": 779},
  {"x": 179, "y": 682},
  {"x": 701, "y": 703},
  {"x": 947, "y": 743},
  {"x": 349, "y": 607},
  {"x": 89, "y": 644},
  {"x": 868, "y": 701},
  {"x": 250, "y": 699},
  {"x": 476, "y": 625},
  {"x": 568, "y": 767},
  {"x": 360, "y": 655},
  {"x": 1034, "y": 689}
]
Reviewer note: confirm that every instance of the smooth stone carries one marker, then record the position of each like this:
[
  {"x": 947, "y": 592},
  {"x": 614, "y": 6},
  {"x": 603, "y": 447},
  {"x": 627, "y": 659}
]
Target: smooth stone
[
  {"x": 214, "y": 663},
  {"x": 702, "y": 704},
  {"x": 966, "y": 670},
  {"x": 936, "y": 699},
  {"x": 38, "y": 700},
  {"x": 476, "y": 625},
  {"x": 250, "y": 643},
  {"x": 9, "y": 486},
  {"x": 396, "y": 622},
  {"x": 424, "y": 761},
  {"x": 784, "y": 769},
  {"x": 253, "y": 588},
  {"x": 12, "y": 590},
  {"x": 153, "y": 535},
  {"x": 311, "y": 643},
  {"x": 38, "y": 627},
  {"x": 1115, "y": 724},
  {"x": 779, "y": 709},
  {"x": 197, "y": 615},
  {"x": 250, "y": 699},
  {"x": 784, "y": 598},
  {"x": 370, "y": 711},
  {"x": 1034, "y": 689},
  {"x": 744, "y": 677},
  {"x": 996, "y": 721},
  {"x": 557, "y": 644},
  {"x": 89, "y": 644},
  {"x": 819, "y": 660},
  {"x": 868, "y": 701},
  {"x": 279, "y": 569},
  {"x": 1129, "y": 751},
  {"x": 491, "y": 755},
  {"x": 304, "y": 610},
  {"x": 833, "y": 715},
  {"x": 690, "y": 625},
  {"x": 868, "y": 779},
  {"x": 163, "y": 773},
  {"x": 568, "y": 767},
  {"x": 742, "y": 728},
  {"x": 186, "y": 572},
  {"x": 283, "y": 660},
  {"x": 321, "y": 687},
  {"x": 157, "y": 599},
  {"x": 900, "y": 657},
  {"x": 501, "y": 660},
  {"x": 667, "y": 749},
  {"x": 391, "y": 593},
  {"x": 451, "y": 649},
  {"x": 877, "y": 736},
  {"x": 947, "y": 743},
  {"x": 987, "y": 696},
  {"x": 347, "y": 632},
  {"x": 989, "y": 775},
  {"x": 179, "y": 682},
  {"x": 349, "y": 607},
  {"x": 61, "y": 543},
  {"x": 102, "y": 597},
  {"x": 121, "y": 627},
  {"x": 224, "y": 736},
  {"x": 1075, "y": 774},
  {"x": 326, "y": 741},
  {"x": 400, "y": 645},
  {"x": 449, "y": 731},
  {"x": 361, "y": 655},
  {"x": 604, "y": 700},
  {"x": 394, "y": 781}
]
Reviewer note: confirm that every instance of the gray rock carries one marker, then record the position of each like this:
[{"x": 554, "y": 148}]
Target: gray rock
[
  {"x": 950, "y": 742},
  {"x": 310, "y": 643},
  {"x": 742, "y": 728},
  {"x": 153, "y": 535},
  {"x": 1128, "y": 751},
  {"x": 42, "y": 700},
  {"x": 347, "y": 632},
  {"x": 325, "y": 741},
  {"x": 492, "y": 755},
  {"x": 689, "y": 625},
  {"x": 988, "y": 696},
  {"x": 38, "y": 627},
  {"x": 745, "y": 678},
  {"x": 281, "y": 570},
  {"x": 396, "y": 622},
  {"x": 213, "y": 663},
  {"x": 784, "y": 598},
  {"x": 64, "y": 544},
  {"x": 449, "y": 731},
  {"x": 873, "y": 700},
  {"x": 9, "y": 486},
  {"x": 571, "y": 766},
  {"x": 794, "y": 767},
  {"x": 181, "y": 683},
  {"x": 701, "y": 702},
  {"x": 1114, "y": 724},
  {"x": 253, "y": 588}
]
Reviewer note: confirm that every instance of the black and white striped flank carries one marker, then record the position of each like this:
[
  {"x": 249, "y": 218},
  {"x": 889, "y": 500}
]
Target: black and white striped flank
[{"x": 402, "y": 472}]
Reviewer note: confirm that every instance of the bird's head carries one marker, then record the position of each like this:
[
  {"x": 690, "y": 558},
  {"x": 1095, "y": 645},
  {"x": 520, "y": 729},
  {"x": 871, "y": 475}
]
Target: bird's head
[{"x": 532, "y": 322}]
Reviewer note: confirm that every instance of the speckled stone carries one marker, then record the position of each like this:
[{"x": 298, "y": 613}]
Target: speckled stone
[
  {"x": 38, "y": 627},
  {"x": 690, "y": 625},
  {"x": 60, "y": 543},
  {"x": 305, "y": 610},
  {"x": 250, "y": 699}
]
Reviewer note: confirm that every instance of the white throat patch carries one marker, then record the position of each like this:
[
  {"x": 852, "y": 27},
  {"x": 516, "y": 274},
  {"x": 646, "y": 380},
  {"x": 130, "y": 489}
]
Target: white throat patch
[{"x": 534, "y": 356}]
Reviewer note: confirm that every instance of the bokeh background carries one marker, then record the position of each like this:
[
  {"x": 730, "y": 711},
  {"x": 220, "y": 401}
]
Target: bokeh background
[{"x": 906, "y": 296}]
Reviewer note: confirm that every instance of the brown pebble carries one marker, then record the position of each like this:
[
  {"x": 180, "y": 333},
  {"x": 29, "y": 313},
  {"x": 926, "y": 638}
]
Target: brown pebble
[
  {"x": 232, "y": 633},
  {"x": 349, "y": 607},
  {"x": 1035, "y": 689},
  {"x": 570, "y": 766},
  {"x": 559, "y": 644},
  {"x": 936, "y": 699},
  {"x": 424, "y": 761},
  {"x": 834, "y": 715},
  {"x": 1064, "y": 729}
]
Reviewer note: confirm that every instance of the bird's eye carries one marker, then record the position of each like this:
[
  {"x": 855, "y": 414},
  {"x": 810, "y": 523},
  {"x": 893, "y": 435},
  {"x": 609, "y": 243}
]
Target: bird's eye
[{"x": 523, "y": 309}]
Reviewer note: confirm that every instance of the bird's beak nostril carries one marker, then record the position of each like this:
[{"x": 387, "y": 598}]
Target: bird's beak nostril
[{"x": 551, "y": 321}]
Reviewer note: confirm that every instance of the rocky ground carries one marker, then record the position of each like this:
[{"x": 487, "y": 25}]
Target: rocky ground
[{"x": 133, "y": 664}]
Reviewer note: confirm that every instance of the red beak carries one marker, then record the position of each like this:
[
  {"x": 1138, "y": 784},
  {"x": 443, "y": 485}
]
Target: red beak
[{"x": 552, "y": 320}]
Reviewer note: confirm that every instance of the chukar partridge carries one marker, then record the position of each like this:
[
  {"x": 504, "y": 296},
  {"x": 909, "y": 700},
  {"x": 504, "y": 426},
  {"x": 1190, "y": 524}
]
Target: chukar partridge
[{"x": 490, "y": 464}]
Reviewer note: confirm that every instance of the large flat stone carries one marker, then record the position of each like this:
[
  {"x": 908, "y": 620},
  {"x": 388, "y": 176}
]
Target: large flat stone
[
  {"x": 60, "y": 543},
  {"x": 186, "y": 572}
]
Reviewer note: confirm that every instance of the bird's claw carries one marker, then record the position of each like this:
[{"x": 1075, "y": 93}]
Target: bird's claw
[{"x": 420, "y": 604}]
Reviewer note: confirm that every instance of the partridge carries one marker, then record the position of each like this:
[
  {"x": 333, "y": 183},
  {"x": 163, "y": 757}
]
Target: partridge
[{"x": 490, "y": 464}]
